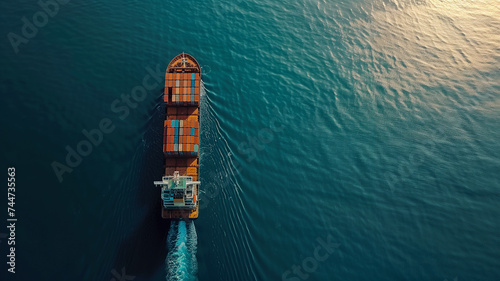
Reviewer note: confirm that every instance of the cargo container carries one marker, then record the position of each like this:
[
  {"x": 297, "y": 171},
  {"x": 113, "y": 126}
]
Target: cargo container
[{"x": 181, "y": 131}]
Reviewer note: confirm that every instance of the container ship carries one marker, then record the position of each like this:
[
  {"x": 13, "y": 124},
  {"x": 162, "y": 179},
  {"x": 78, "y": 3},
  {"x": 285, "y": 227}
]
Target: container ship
[{"x": 181, "y": 139}]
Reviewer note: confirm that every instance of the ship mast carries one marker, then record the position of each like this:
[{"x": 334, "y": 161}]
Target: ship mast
[{"x": 183, "y": 60}]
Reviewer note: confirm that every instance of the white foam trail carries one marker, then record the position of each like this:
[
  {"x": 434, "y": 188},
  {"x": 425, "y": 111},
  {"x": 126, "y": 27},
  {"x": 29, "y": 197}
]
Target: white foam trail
[{"x": 181, "y": 264}]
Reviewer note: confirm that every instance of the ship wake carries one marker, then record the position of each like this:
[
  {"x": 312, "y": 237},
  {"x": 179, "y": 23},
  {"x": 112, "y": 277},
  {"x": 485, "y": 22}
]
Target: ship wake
[{"x": 181, "y": 264}]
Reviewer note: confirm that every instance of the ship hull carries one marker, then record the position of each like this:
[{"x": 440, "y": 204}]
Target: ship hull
[{"x": 181, "y": 138}]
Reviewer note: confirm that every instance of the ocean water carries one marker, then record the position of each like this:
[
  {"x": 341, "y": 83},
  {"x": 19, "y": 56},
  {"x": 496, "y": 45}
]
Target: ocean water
[{"x": 341, "y": 140}]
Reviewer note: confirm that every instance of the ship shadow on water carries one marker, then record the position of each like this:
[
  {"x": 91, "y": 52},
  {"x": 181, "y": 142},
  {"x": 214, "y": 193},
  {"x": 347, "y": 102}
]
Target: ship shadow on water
[{"x": 143, "y": 253}]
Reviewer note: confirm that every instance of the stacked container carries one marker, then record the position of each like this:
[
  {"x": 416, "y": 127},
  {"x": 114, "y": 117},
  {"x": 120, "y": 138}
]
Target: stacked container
[
  {"x": 182, "y": 88},
  {"x": 181, "y": 137}
]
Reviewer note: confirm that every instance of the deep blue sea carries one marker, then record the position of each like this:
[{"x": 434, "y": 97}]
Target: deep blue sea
[{"x": 341, "y": 140}]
